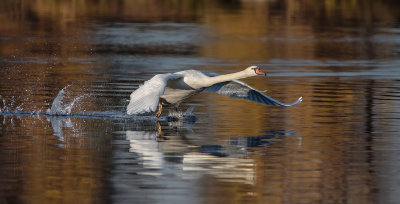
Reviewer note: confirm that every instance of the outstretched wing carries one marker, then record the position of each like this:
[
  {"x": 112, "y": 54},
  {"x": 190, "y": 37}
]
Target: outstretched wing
[
  {"x": 145, "y": 98},
  {"x": 239, "y": 89}
]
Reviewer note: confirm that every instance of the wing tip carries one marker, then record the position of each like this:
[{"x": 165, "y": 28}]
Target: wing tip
[{"x": 299, "y": 100}]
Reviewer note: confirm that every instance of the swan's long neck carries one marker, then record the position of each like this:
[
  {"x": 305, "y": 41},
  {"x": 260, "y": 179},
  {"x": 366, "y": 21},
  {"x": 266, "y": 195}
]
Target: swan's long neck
[{"x": 228, "y": 77}]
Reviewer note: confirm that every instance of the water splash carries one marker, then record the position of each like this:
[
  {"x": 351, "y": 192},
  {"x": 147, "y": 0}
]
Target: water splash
[
  {"x": 181, "y": 115},
  {"x": 57, "y": 102},
  {"x": 63, "y": 104},
  {"x": 181, "y": 119},
  {"x": 5, "y": 107},
  {"x": 58, "y": 108}
]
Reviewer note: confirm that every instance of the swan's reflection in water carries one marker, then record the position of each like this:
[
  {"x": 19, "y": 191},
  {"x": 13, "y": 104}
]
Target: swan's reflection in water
[
  {"x": 168, "y": 149},
  {"x": 174, "y": 149},
  {"x": 163, "y": 148},
  {"x": 128, "y": 160}
]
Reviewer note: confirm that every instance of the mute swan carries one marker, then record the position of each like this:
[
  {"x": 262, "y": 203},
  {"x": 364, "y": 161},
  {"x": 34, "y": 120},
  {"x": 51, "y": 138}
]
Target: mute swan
[{"x": 173, "y": 88}]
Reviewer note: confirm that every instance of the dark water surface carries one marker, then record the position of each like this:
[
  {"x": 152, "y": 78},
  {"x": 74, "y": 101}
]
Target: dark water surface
[{"x": 82, "y": 59}]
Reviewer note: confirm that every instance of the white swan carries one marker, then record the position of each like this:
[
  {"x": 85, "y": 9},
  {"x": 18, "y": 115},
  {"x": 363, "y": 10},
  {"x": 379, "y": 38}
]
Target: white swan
[{"x": 174, "y": 88}]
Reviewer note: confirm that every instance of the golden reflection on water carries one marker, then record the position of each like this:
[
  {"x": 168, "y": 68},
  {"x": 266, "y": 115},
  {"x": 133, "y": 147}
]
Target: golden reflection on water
[
  {"x": 43, "y": 169},
  {"x": 313, "y": 167},
  {"x": 318, "y": 160}
]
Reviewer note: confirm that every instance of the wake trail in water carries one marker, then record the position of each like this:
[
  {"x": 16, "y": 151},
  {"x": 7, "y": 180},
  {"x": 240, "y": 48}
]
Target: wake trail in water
[{"x": 59, "y": 108}]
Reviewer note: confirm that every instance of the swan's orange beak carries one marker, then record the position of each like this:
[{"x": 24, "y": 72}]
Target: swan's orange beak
[{"x": 259, "y": 72}]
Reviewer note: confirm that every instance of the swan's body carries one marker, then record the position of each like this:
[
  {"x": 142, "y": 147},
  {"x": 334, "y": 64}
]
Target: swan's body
[{"x": 175, "y": 88}]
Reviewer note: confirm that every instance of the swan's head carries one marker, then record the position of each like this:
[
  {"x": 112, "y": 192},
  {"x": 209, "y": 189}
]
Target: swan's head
[{"x": 255, "y": 71}]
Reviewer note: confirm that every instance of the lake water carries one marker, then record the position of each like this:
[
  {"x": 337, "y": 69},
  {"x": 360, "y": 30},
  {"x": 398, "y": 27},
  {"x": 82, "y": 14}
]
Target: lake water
[{"x": 82, "y": 59}]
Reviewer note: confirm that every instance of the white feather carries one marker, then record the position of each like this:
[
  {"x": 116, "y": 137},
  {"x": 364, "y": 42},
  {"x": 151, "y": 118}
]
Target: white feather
[{"x": 146, "y": 97}]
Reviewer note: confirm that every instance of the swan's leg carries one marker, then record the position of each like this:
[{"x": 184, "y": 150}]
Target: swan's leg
[
  {"x": 159, "y": 109},
  {"x": 159, "y": 133},
  {"x": 159, "y": 130}
]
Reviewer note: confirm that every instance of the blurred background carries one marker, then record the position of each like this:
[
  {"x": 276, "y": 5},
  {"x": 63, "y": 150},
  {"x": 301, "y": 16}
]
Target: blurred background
[{"x": 339, "y": 145}]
